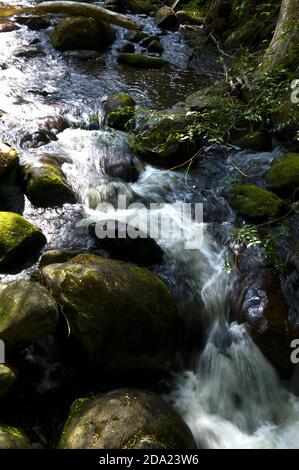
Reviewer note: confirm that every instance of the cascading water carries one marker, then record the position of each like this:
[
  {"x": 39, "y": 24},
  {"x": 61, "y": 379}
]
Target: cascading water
[{"x": 230, "y": 396}]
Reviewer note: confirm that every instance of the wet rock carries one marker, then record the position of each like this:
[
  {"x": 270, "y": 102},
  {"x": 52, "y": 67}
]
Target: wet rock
[
  {"x": 136, "y": 36},
  {"x": 57, "y": 256},
  {"x": 123, "y": 315},
  {"x": 85, "y": 56},
  {"x": 19, "y": 240},
  {"x": 28, "y": 312},
  {"x": 82, "y": 33},
  {"x": 7, "y": 27},
  {"x": 128, "y": 419},
  {"x": 166, "y": 18},
  {"x": 119, "y": 111},
  {"x": 155, "y": 144},
  {"x": 42, "y": 131},
  {"x": 146, "y": 41},
  {"x": 8, "y": 378},
  {"x": 283, "y": 176},
  {"x": 120, "y": 165},
  {"x": 13, "y": 438},
  {"x": 254, "y": 140},
  {"x": 190, "y": 17},
  {"x": 142, "y": 250},
  {"x": 128, "y": 47},
  {"x": 265, "y": 311},
  {"x": 155, "y": 46},
  {"x": 45, "y": 184},
  {"x": 34, "y": 22},
  {"x": 141, "y": 6},
  {"x": 255, "y": 203},
  {"x": 29, "y": 51},
  {"x": 142, "y": 61},
  {"x": 9, "y": 160},
  {"x": 108, "y": 191}
]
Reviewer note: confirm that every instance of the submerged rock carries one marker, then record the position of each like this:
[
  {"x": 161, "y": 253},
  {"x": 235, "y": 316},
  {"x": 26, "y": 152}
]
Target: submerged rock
[
  {"x": 13, "y": 438},
  {"x": 45, "y": 183},
  {"x": 34, "y": 22},
  {"x": 142, "y": 250},
  {"x": 155, "y": 46},
  {"x": 43, "y": 131},
  {"x": 166, "y": 18},
  {"x": 123, "y": 315},
  {"x": 128, "y": 419},
  {"x": 142, "y": 61},
  {"x": 28, "y": 312},
  {"x": 8, "y": 378},
  {"x": 283, "y": 176},
  {"x": 255, "y": 203},
  {"x": 119, "y": 111},
  {"x": 82, "y": 33},
  {"x": 19, "y": 240}
]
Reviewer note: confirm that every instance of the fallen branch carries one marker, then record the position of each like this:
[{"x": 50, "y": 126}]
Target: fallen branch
[{"x": 85, "y": 9}]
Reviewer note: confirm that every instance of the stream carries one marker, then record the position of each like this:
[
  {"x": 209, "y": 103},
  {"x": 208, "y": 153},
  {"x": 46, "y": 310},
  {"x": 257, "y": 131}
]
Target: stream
[{"x": 226, "y": 390}]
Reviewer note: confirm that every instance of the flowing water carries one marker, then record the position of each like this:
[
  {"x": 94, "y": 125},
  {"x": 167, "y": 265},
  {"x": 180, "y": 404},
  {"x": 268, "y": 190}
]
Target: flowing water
[{"x": 228, "y": 393}]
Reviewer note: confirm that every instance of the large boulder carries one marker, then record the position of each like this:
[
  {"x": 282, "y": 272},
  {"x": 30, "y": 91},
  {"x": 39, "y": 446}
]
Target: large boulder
[
  {"x": 119, "y": 111},
  {"x": 166, "y": 18},
  {"x": 160, "y": 144},
  {"x": 7, "y": 379},
  {"x": 19, "y": 240},
  {"x": 45, "y": 184},
  {"x": 82, "y": 33},
  {"x": 28, "y": 312},
  {"x": 141, "y": 61},
  {"x": 125, "y": 419},
  {"x": 255, "y": 203},
  {"x": 13, "y": 438},
  {"x": 123, "y": 315},
  {"x": 283, "y": 176}
]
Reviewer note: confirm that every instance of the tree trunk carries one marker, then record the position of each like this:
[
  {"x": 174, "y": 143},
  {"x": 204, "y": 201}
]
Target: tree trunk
[
  {"x": 284, "y": 47},
  {"x": 213, "y": 12}
]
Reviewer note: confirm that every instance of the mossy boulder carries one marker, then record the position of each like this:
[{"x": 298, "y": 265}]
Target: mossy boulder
[
  {"x": 28, "y": 312},
  {"x": 19, "y": 240},
  {"x": 255, "y": 203},
  {"x": 57, "y": 256},
  {"x": 166, "y": 18},
  {"x": 190, "y": 16},
  {"x": 9, "y": 160},
  {"x": 125, "y": 419},
  {"x": 283, "y": 176},
  {"x": 141, "y": 6},
  {"x": 82, "y": 33},
  {"x": 13, "y": 438},
  {"x": 8, "y": 378},
  {"x": 141, "y": 61},
  {"x": 45, "y": 184},
  {"x": 124, "y": 316},
  {"x": 119, "y": 111},
  {"x": 159, "y": 142}
]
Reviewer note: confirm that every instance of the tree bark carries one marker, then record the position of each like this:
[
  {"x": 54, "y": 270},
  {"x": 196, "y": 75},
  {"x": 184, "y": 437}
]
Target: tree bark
[
  {"x": 85, "y": 9},
  {"x": 284, "y": 46}
]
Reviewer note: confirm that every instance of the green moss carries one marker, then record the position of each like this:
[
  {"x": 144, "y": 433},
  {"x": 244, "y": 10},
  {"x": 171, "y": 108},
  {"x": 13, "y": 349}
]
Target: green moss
[
  {"x": 255, "y": 203},
  {"x": 141, "y": 6},
  {"x": 82, "y": 33},
  {"x": 13, "y": 438},
  {"x": 141, "y": 61},
  {"x": 16, "y": 236},
  {"x": 45, "y": 184},
  {"x": 119, "y": 111},
  {"x": 283, "y": 176},
  {"x": 9, "y": 159}
]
